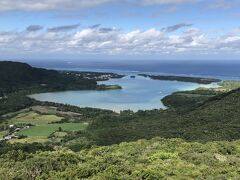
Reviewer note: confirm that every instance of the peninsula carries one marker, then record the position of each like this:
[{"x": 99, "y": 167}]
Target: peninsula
[{"x": 199, "y": 80}]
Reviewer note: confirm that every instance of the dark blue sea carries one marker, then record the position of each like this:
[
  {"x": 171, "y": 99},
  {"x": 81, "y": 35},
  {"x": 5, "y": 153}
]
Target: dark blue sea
[{"x": 222, "y": 69}]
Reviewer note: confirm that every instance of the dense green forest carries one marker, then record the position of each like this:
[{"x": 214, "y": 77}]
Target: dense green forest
[
  {"x": 197, "y": 137},
  {"x": 19, "y": 76},
  {"x": 15, "y": 76},
  {"x": 144, "y": 159}
]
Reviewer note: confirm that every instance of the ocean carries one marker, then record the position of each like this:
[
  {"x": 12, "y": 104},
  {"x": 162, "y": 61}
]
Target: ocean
[{"x": 219, "y": 69}]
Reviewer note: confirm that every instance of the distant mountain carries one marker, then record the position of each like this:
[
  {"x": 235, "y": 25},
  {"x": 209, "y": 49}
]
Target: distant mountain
[
  {"x": 21, "y": 72},
  {"x": 15, "y": 75}
]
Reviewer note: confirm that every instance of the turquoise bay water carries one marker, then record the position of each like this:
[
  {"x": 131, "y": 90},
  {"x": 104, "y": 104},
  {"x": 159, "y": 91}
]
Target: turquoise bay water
[{"x": 138, "y": 93}]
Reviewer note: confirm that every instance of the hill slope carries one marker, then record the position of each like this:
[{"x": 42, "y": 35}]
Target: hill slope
[
  {"x": 11, "y": 72},
  {"x": 216, "y": 119},
  {"x": 145, "y": 159},
  {"x": 16, "y": 75}
]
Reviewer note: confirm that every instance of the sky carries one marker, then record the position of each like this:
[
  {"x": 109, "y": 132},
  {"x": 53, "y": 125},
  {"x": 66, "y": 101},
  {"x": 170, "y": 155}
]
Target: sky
[{"x": 120, "y": 29}]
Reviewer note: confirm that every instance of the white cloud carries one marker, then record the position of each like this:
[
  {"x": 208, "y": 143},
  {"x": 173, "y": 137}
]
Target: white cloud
[
  {"x": 151, "y": 2},
  {"x": 41, "y": 5},
  {"x": 116, "y": 42},
  {"x": 223, "y": 4}
]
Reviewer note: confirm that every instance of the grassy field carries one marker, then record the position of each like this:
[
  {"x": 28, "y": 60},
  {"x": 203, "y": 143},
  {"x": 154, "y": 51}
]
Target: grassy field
[
  {"x": 34, "y": 118},
  {"x": 44, "y": 126},
  {"x": 3, "y": 133},
  {"x": 32, "y": 139},
  {"x": 53, "y": 111},
  {"x": 46, "y": 130},
  {"x": 60, "y": 134}
]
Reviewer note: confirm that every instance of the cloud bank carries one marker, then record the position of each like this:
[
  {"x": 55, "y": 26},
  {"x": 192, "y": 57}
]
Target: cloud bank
[
  {"x": 153, "y": 2},
  {"x": 46, "y": 5},
  {"x": 109, "y": 41}
]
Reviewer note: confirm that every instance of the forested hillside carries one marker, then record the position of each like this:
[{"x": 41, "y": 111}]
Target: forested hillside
[
  {"x": 11, "y": 72},
  {"x": 44, "y": 140},
  {"x": 216, "y": 119},
  {"x": 144, "y": 159},
  {"x": 16, "y": 76}
]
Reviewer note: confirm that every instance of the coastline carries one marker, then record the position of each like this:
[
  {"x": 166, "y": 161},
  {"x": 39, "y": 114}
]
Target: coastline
[
  {"x": 116, "y": 104},
  {"x": 113, "y": 91}
]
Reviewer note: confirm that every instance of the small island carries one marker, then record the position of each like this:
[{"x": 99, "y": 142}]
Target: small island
[
  {"x": 108, "y": 87},
  {"x": 199, "y": 80}
]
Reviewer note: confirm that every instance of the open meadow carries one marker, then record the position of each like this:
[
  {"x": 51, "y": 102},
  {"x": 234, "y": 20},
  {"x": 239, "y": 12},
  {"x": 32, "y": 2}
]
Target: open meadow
[{"x": 36, "y": 127}]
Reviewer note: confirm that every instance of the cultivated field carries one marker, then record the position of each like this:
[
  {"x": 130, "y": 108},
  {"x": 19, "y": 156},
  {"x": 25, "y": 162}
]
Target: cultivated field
[{"x": 42, "y": 125}]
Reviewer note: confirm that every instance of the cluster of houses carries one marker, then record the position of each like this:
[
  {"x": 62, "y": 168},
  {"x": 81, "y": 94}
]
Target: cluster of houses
[
  {"x": 99, "y": 77},
  {"x": 13, "y": 133},
  {"x": 95, "y": 76},
  {"x": 3, "y": 97}
]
